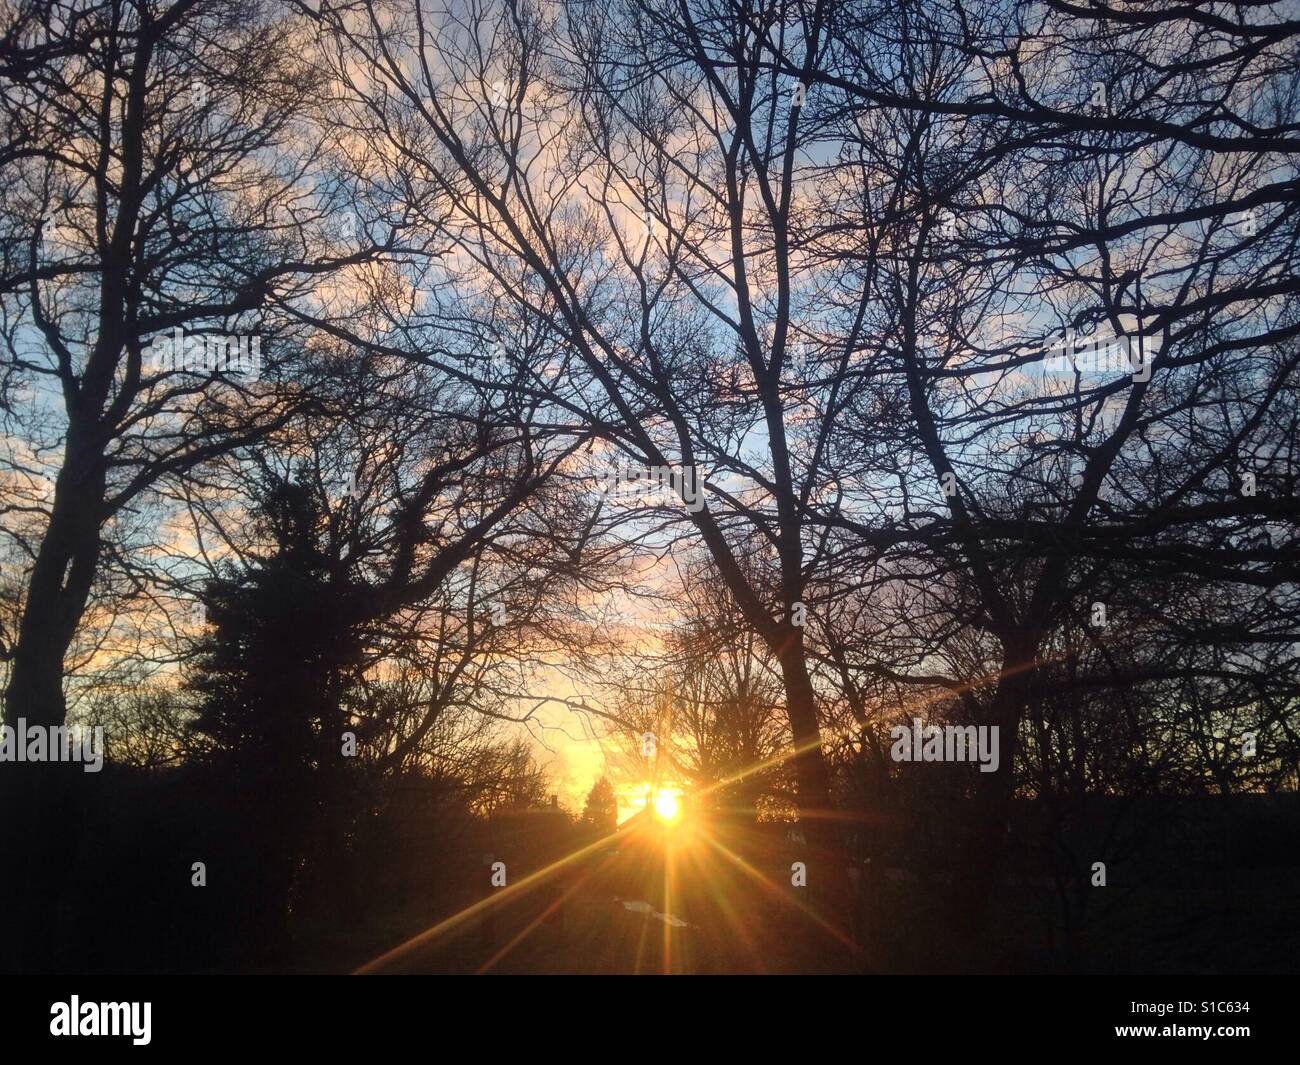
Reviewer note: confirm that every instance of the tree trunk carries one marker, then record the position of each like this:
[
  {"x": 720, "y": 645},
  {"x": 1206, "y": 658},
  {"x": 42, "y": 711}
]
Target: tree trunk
[
  {"x": 990, "y": 823},
  {"x": 40, "y": 841},
  {"x": 57, "y": 590},
  {"x": 828, "y": 858}
]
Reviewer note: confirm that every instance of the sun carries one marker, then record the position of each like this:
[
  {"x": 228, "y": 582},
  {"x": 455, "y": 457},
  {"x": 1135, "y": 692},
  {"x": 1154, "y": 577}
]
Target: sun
[{"x": 667, "y": 807}]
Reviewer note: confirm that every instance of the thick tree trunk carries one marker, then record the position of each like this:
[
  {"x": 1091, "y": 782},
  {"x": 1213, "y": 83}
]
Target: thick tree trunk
[
  {"x": 57, "y": 591},
  {"x": 986, "y": 844},
  {"x": 828, "y": 859},
  {"x": 43, "y": 802}
]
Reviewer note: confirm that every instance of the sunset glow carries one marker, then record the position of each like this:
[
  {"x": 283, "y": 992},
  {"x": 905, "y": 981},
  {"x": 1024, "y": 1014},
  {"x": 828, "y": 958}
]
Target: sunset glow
[
  {"x": 671, "y": 487},
  {"x": 667, "y": 805}
]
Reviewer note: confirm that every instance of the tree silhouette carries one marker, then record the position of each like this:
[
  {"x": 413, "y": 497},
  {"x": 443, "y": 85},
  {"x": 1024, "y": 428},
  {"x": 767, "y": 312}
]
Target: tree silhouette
[
  {"x": 600, "y": 813},
  {"x": 272, "y": 677}
]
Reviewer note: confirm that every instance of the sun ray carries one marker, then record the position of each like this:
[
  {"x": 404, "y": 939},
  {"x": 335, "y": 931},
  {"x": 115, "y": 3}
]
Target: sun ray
[
  {"x": 442, "y": 928},
  {"x": 540, "y": 919},
  {"x": 767, "y": 884}
]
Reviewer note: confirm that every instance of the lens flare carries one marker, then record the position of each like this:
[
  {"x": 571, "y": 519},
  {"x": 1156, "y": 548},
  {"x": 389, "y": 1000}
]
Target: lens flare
[{"x": 667, "y": 808}]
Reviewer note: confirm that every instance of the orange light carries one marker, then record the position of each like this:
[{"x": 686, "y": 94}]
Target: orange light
[{"x": 667, "y": 807}]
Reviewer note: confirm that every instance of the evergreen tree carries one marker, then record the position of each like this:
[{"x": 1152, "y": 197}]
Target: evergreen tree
[
  {"x": 273, "y": 676},
  {"x": 601, "y": 811}
]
